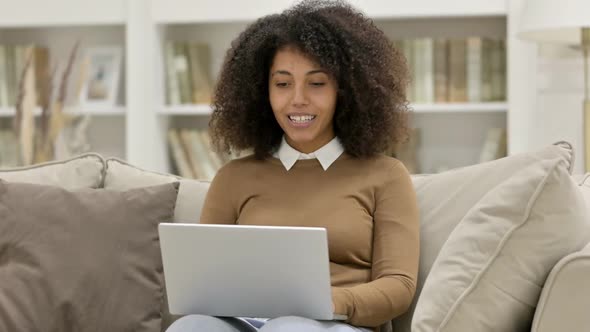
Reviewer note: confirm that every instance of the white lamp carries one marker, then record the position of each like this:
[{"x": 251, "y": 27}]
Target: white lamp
[{"x": 562, "y": 21}]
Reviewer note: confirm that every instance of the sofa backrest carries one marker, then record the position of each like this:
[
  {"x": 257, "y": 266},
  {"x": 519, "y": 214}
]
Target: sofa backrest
[
  {"x": 443, "y": 198},
  {"x": 122, "y": 176}
]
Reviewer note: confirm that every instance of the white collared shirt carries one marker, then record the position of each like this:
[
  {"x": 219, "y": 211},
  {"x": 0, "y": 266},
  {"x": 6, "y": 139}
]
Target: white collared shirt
[{"x": 326, "y": 155}]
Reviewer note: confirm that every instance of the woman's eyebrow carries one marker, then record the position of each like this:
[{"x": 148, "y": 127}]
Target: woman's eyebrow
[
  {"x": 311, "y": 72},
  {"x": 284, "y": 72}
]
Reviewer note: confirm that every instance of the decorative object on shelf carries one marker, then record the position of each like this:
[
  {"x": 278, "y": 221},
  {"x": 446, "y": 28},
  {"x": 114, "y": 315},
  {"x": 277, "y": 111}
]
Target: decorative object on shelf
[
  {"x": 12, "y": 61},
  {"x": 36, "y": 143},
  {"x": 101, "y": 71},
  {"x": 567, "y": 22}
]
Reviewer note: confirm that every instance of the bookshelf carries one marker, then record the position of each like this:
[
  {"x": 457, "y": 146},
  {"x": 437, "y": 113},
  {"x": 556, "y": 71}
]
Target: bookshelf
[
  {"x": 196, "y": 110},
  {"x": 136, "y": 128},
  {"x": 42, "y": 14},
  {"x": 466, "y": 108},
  {"x": 8, "y": 112},
  {"x": 470, "y": 108}
]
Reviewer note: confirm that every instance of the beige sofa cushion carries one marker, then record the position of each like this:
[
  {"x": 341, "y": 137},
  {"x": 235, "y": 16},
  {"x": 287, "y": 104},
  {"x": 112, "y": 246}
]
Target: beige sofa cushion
[
  {"x": 489, "y": 274},
  {"x": 445, "y": 198},
  {"x": 565, "y": 299},
  {"x": 121, "y": 176},
  {"x": 84, "y": 171},
  {"x": 84, "y": 260}
]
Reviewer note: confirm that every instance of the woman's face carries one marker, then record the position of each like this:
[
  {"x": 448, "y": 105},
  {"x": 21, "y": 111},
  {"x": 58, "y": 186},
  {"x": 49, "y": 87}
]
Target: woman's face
[{"x": 303, "y": 99}]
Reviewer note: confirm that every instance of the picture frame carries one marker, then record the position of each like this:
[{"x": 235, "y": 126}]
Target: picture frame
[{"x": 103, "y": 72}]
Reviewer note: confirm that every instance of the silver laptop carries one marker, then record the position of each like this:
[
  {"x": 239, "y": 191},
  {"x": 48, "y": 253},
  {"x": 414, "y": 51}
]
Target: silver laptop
[{"x": 247, "y": 271}]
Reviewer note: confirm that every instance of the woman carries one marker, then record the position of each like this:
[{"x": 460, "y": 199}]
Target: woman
[{"x": 318, "y": 93}]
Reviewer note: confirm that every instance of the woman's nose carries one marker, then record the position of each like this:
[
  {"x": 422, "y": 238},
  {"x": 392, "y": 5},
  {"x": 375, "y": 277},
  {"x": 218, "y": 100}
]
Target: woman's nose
[{"x": 299, "y": 96}]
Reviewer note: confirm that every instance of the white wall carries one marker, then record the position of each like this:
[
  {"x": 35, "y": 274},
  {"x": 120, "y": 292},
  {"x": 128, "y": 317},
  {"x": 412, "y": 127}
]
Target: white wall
[{"x": 560, "y": 94}]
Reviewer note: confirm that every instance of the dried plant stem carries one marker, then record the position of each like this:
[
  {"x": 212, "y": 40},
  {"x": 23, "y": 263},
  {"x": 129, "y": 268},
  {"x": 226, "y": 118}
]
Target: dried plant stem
[
  {"x": 57, "y": 119},
  {"x": 26, "y": 105}
]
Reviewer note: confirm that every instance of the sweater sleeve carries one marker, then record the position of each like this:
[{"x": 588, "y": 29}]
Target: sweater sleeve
[
  {"x": 219, "y": 206},
  {"x": 396, "y": 247}
]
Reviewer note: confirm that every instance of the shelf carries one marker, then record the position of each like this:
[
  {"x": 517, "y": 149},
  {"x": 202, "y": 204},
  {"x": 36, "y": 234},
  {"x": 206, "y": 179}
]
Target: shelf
[
  {"x": 199, "y": 110},
  {"x": 93, "y": 111},
  {"x": 203, "y": 110},
  {"x": 188, "y": 11},
  {"x": 34, "y": 13},
  {"x": 495, "y": 107}
]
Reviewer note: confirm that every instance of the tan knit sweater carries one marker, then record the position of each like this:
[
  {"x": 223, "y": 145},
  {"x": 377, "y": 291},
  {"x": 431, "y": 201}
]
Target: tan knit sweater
[{"x": 368, "y": 207}]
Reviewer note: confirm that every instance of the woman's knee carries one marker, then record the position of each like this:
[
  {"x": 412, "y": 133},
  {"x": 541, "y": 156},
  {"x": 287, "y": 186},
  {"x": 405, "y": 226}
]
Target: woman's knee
[
  {"x": 291, "y": 324},
  {"x": 200, "y": 323},
  {"x": 299, "y": 324}
]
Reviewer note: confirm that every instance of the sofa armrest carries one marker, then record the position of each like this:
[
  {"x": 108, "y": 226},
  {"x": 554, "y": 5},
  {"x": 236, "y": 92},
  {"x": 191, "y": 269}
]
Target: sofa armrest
[{"x": 565, "y": 299}]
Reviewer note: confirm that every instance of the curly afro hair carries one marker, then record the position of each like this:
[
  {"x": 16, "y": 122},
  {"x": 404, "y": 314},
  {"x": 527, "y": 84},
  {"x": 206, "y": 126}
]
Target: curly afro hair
[{"x": 371, "y": 109}]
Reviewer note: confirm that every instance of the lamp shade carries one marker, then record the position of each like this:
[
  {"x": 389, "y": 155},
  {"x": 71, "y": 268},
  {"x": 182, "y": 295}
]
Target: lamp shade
[{"x": 555, "y": 20}]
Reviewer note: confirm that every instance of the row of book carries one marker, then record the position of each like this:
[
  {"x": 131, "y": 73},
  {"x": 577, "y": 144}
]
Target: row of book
[
  {"x": 192, "y": 154},
  {"x": 12, "y": 62},
  {"x": 494, "y": 147},
  {"x": 188, "y": 79},
  {"x": 455, "y": 70}
]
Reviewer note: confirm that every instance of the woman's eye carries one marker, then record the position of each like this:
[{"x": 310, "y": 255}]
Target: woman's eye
[
  {"x": 318, "y": 83},
  {"x": 281, "y": 84}
]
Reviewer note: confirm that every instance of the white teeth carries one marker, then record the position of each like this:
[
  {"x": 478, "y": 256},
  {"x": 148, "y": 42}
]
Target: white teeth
[{"x": 301, "y": 118}]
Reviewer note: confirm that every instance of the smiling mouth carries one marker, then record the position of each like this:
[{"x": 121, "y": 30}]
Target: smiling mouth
[{"x": 300, "y": 119}]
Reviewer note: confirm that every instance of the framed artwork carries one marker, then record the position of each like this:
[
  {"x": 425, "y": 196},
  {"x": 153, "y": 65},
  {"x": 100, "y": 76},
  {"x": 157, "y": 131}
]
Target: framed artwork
[{"x": 103, "y": 71}]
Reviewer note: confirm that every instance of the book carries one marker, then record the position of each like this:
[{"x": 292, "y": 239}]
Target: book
[
  {"x": 201, "y": 156},
  {"x": 474, "y": 69},
  {"x": 457, "y": 71},
  {"x": 172, "y": 90},
  {"x": 407, "y": 152},
  {"x": 3, "y": 78},
  {"x": 216, "y": 159},
  {"x": 177, "y": 153},
  {"x": 192, "y": 159},
  {"x": 494, "y": 146},
  {"x": 486, "y": 70},
  {"x": 441, "y": 70},
  {"x": 181, "y": 67},
  {"x": 199, "y": 63}
]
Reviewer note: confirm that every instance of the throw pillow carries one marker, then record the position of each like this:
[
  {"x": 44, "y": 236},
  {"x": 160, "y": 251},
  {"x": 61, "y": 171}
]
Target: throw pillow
[
  {"x": 490, "y": 272},
  {"x": 86, "y": 260},
  {"x": 445, "y": 198},
  {"x": 84, "y": 171},
  {"x": 122, "y": 176}
]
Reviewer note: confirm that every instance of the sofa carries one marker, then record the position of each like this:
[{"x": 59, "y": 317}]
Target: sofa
[{"x": 504, "y": 244}]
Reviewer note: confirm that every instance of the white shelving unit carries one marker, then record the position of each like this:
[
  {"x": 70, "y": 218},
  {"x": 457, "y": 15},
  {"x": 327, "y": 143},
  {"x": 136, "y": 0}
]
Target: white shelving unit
[
  {"x": 197, "y": 110},
  {"x": 91, "y": 111},
  {"x": 136, "y": 130},
  {"x": 468, "y": 108},
  {"x": 42, "y": 14}
]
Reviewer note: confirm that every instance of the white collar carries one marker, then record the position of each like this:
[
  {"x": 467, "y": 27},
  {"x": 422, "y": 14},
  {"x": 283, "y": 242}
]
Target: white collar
[{"x": 326, "y": 155}]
